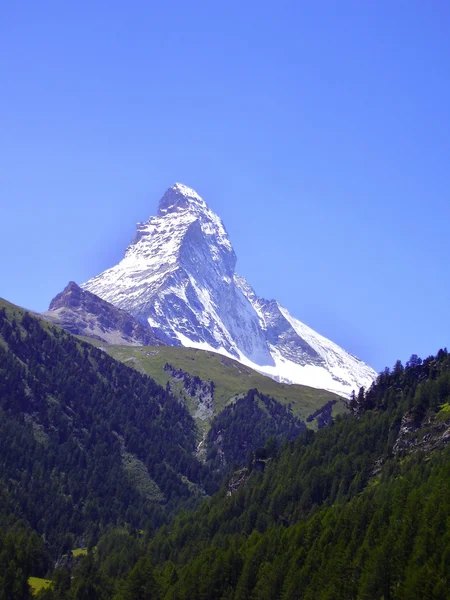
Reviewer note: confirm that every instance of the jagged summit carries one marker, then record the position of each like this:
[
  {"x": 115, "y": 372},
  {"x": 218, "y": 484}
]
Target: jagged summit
[
  {"x": 82, "y": 313},
  {"x": 180, "y": 197},
  {"x": 70, "y": 295},
  {"x": 178, "y": 275}
]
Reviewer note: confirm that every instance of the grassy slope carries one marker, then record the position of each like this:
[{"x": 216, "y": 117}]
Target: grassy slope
[
  {"x": 230, "y": 377},
  {"x": 37, "y": 584}
]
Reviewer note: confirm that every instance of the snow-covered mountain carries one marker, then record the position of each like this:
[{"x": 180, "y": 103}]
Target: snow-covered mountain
[{"x": 178, "y": 275}]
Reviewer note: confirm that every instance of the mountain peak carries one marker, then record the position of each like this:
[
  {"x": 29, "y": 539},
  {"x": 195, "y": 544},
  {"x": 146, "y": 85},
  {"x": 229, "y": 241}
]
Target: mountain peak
[
  {"x": 178, "y": 276},
  {"x": 180, "y": 197},
  {"x": 70, "y": 295},
  {"x": 83, "y": 313}
]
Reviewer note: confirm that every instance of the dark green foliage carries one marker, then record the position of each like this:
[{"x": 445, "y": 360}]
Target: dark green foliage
[
  {"x": 22, "y": 554},
  {"x": 141, "y": 582},
  {"x": 323, "y": 414},
  {"x": 117, "y": 552},
  {"x": 421, "y": 386},
  {"x": 344, "y": 513},
  {"x": 89, "y": 583},
  {"x": 336, "y": 516},
  {"x": 72, "y": 421},
  {"x": 246, "y": 425}
]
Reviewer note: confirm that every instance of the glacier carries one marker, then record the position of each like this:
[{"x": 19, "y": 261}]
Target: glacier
[{"x": 178, "y": 276}]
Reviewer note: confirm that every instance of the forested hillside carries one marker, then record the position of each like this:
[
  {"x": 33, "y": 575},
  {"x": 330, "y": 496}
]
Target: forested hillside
[
  {"x": 95, "y": 454},
  {"x": 85, "y": 442},
  {"x": 88, "y": 444},
  {"x": 244, "y": 427},
  {"x": 344, "y": 513}
]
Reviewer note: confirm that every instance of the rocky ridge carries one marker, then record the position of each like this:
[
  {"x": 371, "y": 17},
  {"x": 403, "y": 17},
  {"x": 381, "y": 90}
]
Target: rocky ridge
[{"x": 81, "y": 313}]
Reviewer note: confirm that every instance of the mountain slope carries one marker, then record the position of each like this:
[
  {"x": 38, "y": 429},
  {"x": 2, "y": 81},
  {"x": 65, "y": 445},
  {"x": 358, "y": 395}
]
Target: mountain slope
[
  {"x": 82, "y": 313},
  {"x": 336, "y": 515},
  {"x": 231, "y": 379},
  {"x": 178, "y": 275},
  {"x": 77, "y": 427}
]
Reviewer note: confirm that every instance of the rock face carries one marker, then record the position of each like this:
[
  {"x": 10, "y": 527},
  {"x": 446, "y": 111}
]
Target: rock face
[
  {"x": 202, "y": 392},
  {"x": 431, "y": 433},
  {"x": 82, "y": 313},
  {"x": 178, "y": 275}
]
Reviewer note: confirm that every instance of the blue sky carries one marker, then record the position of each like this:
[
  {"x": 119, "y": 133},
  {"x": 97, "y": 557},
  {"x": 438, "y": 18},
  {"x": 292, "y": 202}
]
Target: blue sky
[{"x": 318, "y": 131}]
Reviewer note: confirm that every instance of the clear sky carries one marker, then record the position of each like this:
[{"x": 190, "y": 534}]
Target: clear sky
[{"x": 318, "y": 131}]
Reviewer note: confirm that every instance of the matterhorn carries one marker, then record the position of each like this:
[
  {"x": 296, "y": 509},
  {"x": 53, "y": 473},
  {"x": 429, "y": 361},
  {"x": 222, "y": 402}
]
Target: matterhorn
[{"x": 178, "y": 276}]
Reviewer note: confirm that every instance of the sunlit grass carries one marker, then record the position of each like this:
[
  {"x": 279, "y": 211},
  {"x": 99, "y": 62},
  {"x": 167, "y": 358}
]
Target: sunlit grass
[{"x": 37, "y": 584}]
